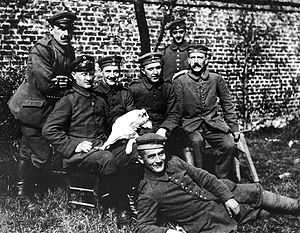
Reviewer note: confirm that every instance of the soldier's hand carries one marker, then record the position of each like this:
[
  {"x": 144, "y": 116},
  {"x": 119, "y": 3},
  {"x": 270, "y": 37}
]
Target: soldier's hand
[
  {"x": 61, "y": 81},
  {"x": 84, "y": 146},
  {"x": 173, "y": 231},
  {"x": 232, "y": 207}
]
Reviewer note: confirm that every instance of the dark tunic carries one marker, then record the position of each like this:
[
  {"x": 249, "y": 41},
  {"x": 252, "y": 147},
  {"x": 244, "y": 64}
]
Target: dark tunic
[
  {"x": 159, "y": 101},
  {"x": 78, "y": 116},
  {"x": 198, "y": 102},
  {"x": 46, "y": 60},
  {"x": 119, "y": 99},
  {"x": 193, "y": 199},
  {"x": 174, "y": 59}
]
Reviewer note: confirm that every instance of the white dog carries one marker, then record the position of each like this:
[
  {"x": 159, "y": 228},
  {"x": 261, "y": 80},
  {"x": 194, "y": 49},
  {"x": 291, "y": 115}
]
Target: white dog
[{"x": 125, "y": 127}]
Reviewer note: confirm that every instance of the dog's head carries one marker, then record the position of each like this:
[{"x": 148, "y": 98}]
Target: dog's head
[
  {"x": 145, "y": 122},
  {"x": 138, "y": 118}
]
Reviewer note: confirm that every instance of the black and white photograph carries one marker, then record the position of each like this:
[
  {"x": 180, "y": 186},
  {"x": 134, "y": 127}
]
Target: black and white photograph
[{"x": 150, "y": 116}]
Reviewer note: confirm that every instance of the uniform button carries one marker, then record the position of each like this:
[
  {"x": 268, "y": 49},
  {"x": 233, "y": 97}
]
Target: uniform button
[
  {"x": 93, "y": 103},
  {"x": 200, "y": 196},
  {"x": 176, "y": 180},
  {"x": 196, "y": 193}
]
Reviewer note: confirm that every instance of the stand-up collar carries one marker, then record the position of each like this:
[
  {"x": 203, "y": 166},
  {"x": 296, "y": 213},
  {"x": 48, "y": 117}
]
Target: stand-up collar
[
  {"x": 149, "y": 85},
  {"x": 81, "y": 90},
  {"x": 181, "y": 47}
]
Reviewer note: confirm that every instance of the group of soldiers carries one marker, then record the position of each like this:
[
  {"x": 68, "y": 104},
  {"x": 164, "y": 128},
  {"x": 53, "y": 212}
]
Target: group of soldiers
[{"x": 177, "y": 91}]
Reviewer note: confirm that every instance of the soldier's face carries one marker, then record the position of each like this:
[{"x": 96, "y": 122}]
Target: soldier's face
[
  {"x": 178, "y": 35},
  {"x": 62, "y": 35},
  {"x": 111, "y": 74},
  {"x": 154, "y": 159},
  {"x": 84, "y": 79},
  {"x": 197, "y": 61},
  {"x": 152, "y": 71}
]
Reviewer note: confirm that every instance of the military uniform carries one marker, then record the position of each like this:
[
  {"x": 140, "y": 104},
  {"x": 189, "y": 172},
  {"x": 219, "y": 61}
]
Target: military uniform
[
  {"x": 47, "y": 60},
  {"x": 119, "y": 100},
  {"x": 175, "y": 55},
  {"x": 159, "y": 101},
  {"x": 197, "y": 97},
  {"x": 175, "y": 59},
  {"x": 195, "y": 199},
  {"x": 81, "y": 115}
]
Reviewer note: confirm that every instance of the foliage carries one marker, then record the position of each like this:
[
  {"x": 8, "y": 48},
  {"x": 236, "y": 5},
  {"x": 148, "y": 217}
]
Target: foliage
[
  {"x": 253, "y": 37},
  {"x": 11, "y": 76}
]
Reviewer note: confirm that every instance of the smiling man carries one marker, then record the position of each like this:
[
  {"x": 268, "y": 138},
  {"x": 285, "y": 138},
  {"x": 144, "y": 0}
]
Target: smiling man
[
  {"x": 193, "y": 199},
  {"x": 197, "y": 94},
  {"x": 78, "y": 126},
  {"x": 48, "y": 76},
  {"x": 175, "y": 55},
  {"x": 119, "y": 99},
  {"x": 155, "y": 94}
]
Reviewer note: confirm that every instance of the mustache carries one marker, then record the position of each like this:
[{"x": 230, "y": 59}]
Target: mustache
[{"x": 196, "y": 65}]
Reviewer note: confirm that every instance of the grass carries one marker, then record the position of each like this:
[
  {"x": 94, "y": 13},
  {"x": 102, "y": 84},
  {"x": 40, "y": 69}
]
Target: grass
[{"x": 271, "y": 157}]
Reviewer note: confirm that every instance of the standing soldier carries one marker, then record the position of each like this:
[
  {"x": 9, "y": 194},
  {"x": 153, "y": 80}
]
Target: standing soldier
[
  {"x": 175, "y": 55},
  {"x": 48, "y": 76},
  {"x": 155, "y": 94}
]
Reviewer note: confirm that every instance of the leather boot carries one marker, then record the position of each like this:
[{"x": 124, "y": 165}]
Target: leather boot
[
  {"x": 123, "y": 217},
  {"x": 25, "y": 186},
  {"x": 278, "y": 204}
]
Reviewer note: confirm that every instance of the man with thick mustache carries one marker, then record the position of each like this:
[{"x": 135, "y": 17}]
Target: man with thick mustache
[
  {"x": 175, "y": 55},
  {"x": 155, "y": 94},
  {"x": 48, "y": 76},
  {"x": 197, "y": 94},
  {"x": 194, "y": 200}
]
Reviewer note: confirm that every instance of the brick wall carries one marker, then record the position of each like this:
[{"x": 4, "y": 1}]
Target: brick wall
[{"x": 108, "y": 27}]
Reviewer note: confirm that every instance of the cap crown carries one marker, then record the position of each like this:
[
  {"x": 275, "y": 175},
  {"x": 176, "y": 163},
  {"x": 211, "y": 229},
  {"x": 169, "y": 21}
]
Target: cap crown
[
  {"x": 83, "y": 63},
  {"x": 150, "y": 58},
  {"x": 110, "y": 60},
  {"x": 63, "y": 19}
]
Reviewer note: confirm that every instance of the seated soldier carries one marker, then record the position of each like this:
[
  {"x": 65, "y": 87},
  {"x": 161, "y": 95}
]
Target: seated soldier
[
  {"x": 77, "y": 126},
  {"x": 194, "y": 199},
  {"x": 197, "y": 94},
  {"x": 155, "y": 95},
  {"x": 118, "y": 97}
]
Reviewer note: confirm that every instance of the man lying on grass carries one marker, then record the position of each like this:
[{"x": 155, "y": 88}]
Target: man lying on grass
[{"x": 194, "y": 199}]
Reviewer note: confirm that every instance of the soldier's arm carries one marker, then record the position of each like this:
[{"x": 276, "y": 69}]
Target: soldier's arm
[
  {"x": 56, "y": 125},
  {"x": 208, "y": 181},
  {"x": 147, "y": 216},
  {"x": 227, "y": 105},
  {"x": 42, "y": 71},
  {"x": 128, "y": 101},
  {"x": 178, "y": 89},
  {"x": 172, "y": 113}
]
